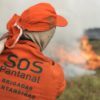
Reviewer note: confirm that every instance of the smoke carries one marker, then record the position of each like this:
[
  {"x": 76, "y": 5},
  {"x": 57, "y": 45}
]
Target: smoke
[
  {"x": 71, "y": 68},
  {"x": 68, "y": 39},
  {"x": 71, "y": 71}
]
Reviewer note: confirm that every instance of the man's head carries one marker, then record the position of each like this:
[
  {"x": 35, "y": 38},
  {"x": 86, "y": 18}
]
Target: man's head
[{"x": 37, "y": 21}]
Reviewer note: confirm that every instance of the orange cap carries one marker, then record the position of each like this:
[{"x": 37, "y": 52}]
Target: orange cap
[{"x": 41, "y": 17}]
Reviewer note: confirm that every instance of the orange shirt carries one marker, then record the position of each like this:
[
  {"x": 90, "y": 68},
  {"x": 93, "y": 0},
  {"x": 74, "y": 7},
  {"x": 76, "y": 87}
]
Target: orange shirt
[{"x": 26, "y": 74}]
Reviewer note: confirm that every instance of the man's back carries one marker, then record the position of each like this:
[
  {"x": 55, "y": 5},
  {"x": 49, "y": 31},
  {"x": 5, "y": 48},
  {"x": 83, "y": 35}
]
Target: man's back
[{"x": 26, "y": 74}]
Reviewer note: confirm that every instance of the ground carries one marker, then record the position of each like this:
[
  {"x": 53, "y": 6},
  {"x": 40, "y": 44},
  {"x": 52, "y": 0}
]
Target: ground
[{"x": 86, "y": 87}]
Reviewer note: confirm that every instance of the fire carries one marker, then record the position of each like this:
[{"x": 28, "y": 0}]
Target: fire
[
  {"x": 93, "y": 60},
  {"x": 87, "y": 57}
]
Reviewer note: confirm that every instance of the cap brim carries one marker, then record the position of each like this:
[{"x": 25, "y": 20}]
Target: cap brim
[{"x": 61, "y": 21}]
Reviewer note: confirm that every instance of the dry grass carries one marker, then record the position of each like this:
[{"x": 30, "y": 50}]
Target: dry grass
[{"x": 84, "y": 88}]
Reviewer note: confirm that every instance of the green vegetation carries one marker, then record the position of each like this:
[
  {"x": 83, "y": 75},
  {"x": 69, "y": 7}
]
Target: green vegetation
[{"x": 86, "y": 87}]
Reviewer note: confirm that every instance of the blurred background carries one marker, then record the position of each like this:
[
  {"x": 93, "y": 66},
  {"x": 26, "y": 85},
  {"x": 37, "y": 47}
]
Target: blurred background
[{"x": 83, "y": 17}]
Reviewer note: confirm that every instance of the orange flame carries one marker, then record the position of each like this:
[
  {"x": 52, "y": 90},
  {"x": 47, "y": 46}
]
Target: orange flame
[
  {"x": 93, "y": 60},
  {"x": 87, "y": 57}
]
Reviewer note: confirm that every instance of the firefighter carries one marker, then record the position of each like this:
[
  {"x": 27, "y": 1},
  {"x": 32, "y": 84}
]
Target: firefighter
[{"x": 25, "y": 72}]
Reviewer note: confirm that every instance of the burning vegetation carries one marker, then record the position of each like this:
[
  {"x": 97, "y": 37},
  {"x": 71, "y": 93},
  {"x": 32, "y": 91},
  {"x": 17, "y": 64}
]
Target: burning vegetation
[
  {"x": 92, "y": 58},
  {"x": 86, "y": 57}
]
